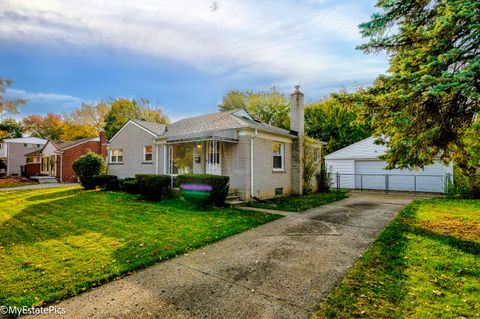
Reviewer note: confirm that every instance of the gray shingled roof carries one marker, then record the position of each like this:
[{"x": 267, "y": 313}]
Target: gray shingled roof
[
  {"x": 155, "y": 128},
  {"x": 213, "y": 125},
  {"x": 221, "y": 135},
  {"x": 215, "y": 122}
]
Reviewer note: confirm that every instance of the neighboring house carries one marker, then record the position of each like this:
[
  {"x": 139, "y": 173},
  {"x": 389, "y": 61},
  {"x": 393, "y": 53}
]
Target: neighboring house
[
  {"x": 12, "y": 154},
  {"x": 261, "y": 160},
  {"x": 358, "y": 166},
  {"x": 56, "y": 158}
]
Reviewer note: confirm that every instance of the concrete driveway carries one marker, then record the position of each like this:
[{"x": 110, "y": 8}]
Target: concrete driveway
[{"x": 283, "y": 269}]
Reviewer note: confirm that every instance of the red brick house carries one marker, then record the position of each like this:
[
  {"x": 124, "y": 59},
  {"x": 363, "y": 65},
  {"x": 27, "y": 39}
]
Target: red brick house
[{"x": 56, "y": 158}]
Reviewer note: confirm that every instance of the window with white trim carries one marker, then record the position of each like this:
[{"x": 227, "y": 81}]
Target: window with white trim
[
  {"x": 278, "y": 156},
  {"x": 148, "y": 153},
  {"x": 116, "y": 155}
]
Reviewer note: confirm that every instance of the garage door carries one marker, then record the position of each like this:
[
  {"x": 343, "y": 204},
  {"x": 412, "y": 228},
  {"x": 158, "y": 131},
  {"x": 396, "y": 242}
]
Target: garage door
[{"x": 372, "y": 175}]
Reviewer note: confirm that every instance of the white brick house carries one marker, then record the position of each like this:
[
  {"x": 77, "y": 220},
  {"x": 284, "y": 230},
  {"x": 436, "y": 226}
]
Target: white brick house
[{"x": 261, "y": 160}]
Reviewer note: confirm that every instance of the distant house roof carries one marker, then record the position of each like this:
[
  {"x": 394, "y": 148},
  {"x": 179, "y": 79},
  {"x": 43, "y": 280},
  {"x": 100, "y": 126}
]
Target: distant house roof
[
  {"x": 364, "y": 149},
  {"x": 26, "y": 140},
  {"x": 61, "y": 145},
  {"x": 34, "y": 153}
]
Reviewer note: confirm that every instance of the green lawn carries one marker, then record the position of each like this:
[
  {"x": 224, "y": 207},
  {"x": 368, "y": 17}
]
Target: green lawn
[
  {"x": 58, "y": 242},
  {"x": 300, "y": 203},
  {"x": 426, "y": 264}
]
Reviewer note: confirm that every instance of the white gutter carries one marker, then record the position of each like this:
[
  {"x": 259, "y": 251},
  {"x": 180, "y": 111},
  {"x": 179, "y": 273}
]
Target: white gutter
[{"x": 252, "y": 193}]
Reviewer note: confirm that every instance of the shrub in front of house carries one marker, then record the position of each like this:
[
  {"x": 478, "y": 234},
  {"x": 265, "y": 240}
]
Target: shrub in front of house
[
  {"x": 88, "y": 166},
  {"x": 195, "y": 188},
  {"x": 153, "y": 186},
  {"x": 113, "y": 185},
  {"x": 129, "y": 185},
  {"x": 323, "y": 180},
  {"x": 198, "y": 194},
  {"x": 103, "y": 181}
]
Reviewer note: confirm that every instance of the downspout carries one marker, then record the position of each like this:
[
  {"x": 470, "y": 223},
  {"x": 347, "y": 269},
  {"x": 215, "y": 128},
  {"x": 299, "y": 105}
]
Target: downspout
[
  {"x": 8, "y": 161},
  {"x": 61, "y": 167},
  {"x": 252, "y": 193},
  {"x": 156, "y": 159}
]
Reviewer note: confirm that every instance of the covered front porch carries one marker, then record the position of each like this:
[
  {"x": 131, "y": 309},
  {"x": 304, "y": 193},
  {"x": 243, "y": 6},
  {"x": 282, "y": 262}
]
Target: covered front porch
[
  {"x": 197, "y": 156},
  {"x": 48, "y": 165}
]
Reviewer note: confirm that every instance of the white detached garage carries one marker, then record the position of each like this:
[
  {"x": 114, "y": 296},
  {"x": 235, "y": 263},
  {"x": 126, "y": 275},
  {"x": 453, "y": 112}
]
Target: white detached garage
[{"x": 358, "y": 167}]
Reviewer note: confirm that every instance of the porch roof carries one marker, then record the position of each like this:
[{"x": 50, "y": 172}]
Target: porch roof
[{"x": 228, "y": 136}]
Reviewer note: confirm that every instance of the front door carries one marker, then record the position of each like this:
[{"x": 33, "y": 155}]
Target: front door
[
  {"x": 53, "y": 165},
  {"x": 213, "y": 162}
]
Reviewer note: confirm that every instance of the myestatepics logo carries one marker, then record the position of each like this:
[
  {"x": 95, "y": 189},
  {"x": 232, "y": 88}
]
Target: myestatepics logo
[{"x": 4, "y": 310}]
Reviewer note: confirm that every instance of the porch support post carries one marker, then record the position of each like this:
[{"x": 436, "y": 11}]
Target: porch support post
[{"x": 165, "y": 159}]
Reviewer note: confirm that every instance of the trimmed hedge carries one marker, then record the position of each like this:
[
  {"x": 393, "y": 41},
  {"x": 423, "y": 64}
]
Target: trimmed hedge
[
  {"x": 103, "y": 180},
  {"x": 154, "y": 186},
  {"x": 129, "y": 185},
  {"x": 219, "y": 187},
  {"x": 113, "y": 185}
]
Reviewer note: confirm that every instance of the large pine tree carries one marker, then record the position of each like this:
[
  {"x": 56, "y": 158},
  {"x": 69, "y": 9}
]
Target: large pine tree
[{"x": 427, "y": 104}]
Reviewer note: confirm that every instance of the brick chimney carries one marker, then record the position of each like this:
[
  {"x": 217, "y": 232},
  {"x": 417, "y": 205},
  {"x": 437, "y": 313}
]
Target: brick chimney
[
  {"x": 103, "y": 144},
  {"x": 297, "y": 117},
  {"x": 297, "y": 127}
]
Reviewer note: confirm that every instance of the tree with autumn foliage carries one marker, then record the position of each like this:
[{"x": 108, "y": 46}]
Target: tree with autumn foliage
[
  {"x": 54, "y": 127},
  {"x": 122, "y": 109},
  {"x": 10, "y": 128},
  {"x": 337, "y": 120},
  {"x": 428, "y": 103},
  {"x": 72, "y": 131},
  {"x": 91, "y": 115},
  {"x": 50, "y": 126},
  {"x": 271, "y": 107}
]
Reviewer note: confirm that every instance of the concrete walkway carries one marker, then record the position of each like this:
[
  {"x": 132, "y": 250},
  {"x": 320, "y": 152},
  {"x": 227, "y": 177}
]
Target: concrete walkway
[
  {"x": 283, "y": 269},
  {"x": 38, "y": 186}
]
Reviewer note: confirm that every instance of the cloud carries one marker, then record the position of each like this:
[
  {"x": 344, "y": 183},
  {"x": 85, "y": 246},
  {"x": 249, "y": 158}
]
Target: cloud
[
  {"x": 290, "y": 40},
  {"x": 42, "y": 103}
]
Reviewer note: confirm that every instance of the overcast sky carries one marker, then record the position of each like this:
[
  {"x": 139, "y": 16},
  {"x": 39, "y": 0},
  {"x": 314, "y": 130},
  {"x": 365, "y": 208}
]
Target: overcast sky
[{"x": 182, "y": 55}]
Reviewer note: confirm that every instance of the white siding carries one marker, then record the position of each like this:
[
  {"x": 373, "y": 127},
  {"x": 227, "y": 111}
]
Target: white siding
[
  {"x": 132, "y": 140},
  {"x": 3, "y": 149},
  {"x": 365, "y": 149},
  {"x": 345, "y": 168},
  {"x": 429, "y": 179}
]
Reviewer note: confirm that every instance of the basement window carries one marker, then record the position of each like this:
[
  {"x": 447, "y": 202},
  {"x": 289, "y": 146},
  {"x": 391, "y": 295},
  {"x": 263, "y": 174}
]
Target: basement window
[{"x": 278, "y": 192}]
